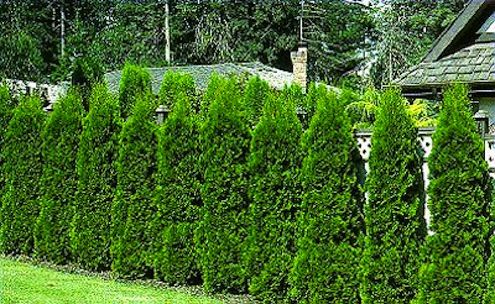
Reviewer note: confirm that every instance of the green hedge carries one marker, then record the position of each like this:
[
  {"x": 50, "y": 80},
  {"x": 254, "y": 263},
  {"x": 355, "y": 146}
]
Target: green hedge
[
  {"x": 395, "y": 224},
  {"x": 60, "y": 137},
  {"x": 225, "y": 138},
  {"x": 173, "y": 84},
  {"x": 255, "y": 95},
  {"x": 331, "y": 224},
  {"x": 96, "y": 169},
  {"x": 7, "y": 106},
  {"x": 22, "y": 169},
  {"x": 178, "y": 198},
  {"x": 132, "y": 210},
  {"x": 134, "y": 82},
  {"x": 275, "y": 194},
  {"x": 459, "y": 202}
]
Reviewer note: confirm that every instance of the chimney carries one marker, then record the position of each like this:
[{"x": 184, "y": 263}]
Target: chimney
[{"x": 300, "y": 65}]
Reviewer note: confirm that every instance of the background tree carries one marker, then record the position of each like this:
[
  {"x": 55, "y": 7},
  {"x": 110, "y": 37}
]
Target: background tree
[
  {"x": 331, "y": 223},
  {"x": 132, "y": 209},
  {"x": 224, "y": 136},
  {"x": 391, "y": 259},
  {"x": 22, "y": 169},
  {"x": 178, "y": 196},
  {"x": 135, "y": 82},
  {"x": 459, "y": 201},
  {"x": 60, "y": 137},
  {"x": 96, "y": 170},
  {"x": 275, "y": 193}
]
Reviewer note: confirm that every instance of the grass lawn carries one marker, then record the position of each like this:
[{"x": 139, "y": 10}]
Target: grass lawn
[{"x": 23, "y": 283}]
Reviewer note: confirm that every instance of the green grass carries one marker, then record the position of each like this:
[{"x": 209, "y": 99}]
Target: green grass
[{"x": 23, "y": 283}]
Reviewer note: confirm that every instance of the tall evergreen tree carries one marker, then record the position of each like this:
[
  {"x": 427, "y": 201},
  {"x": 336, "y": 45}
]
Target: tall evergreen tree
[
  {"x": 225, "y": 138},
  {"x": 134, "y": 82},
  {"x": 7, "y": 106},
  {"x": 173, "y": 84},
  {"x": 255, "y": 95},
  {"x": 331, "y": 223},
  {"x": 459, "y": 201},
  {"x": 60, "y": 137},
  {"x": 132, "y": 209},
  {"x": 275, "y": 193},
  {"x": 96, "y": 170},
  {"x": 395, "y": 226},
  {"x": 178, "y": 196},
  {"x": 22, "y": 169}
]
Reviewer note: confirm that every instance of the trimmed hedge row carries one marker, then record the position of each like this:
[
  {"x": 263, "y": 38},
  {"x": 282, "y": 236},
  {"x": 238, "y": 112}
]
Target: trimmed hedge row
[
  {"x": 134, "y": 82},
  {"x": 207, "y": 199}
]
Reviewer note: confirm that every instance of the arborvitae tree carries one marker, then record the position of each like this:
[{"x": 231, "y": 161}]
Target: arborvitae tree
[
  {"x": 211, "y": 93},
  {"x": 225, "y": 138},
  {"x": 86, "y": 72},
  {"x": 275, "y": 193},
  {"x": 331, "y": 223},
  {"x": 135, "y": 82},
  {"x": 255, "y": 94},
  {"x": 7, "y": 105},
  {"x": 459, "y": 201},
  {"x": 60, "y": 137},
  {"x": 178, "y": 198},
  {"x": 132, "y": 209},
  {"x": 22, "y": 169},
  {"x": 96, "y": 169},
  {"x": 395, "y": 226},
  {"x": 173, "y": 84},
  {"x": 311, "y": 101}
]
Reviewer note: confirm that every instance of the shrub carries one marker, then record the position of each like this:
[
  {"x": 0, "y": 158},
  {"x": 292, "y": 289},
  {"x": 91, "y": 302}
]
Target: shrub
[
  {"x": 255, "y": 94},
  {"x": 96, "y": 170},
  {"x": 274, "y": 164},
  {"x": 225, "y": 139},
  {"x": 86, "y": 72},
  {"x": 459, "y": 202},
  {"x": 7, "y": 105},
  {"x": 60, "y": 137},
  {"x": 331, "y": 222},
  {"x": 135, "y": 82},
  {"x": 311, "y": 101},
  {"x": 178, "y": 196},
  {"x": 132, "y": 208},
  {"x": 395, "y": 224},
  {"x": 22, "y": 169},
  {"x": 173, "y": 84}
]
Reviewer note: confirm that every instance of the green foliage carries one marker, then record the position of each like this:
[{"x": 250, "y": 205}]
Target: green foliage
[
  {"x": 86, "y": 72},
  {"x": 331, "y": 221},
  {"x": 275, "y": 198},
  {"x": 22, "y": 169},
  {"x": 173, "y": 84},
  {"x": 311, "y": 101},
  {"x": 178, "y": 196},
  {"x": 459, "y": 191},
  {"x": 225, "y": 138},
  {"x": 96, "y": 169},
  {"x": 132, "y": 209},
  {"x": 7, "y": 105},
  {"x": 134, "y": 82},
  {"x": 255, "y": 95},
  {"x": 395, "y": 225},
  {"x": 60, "y": 137}
]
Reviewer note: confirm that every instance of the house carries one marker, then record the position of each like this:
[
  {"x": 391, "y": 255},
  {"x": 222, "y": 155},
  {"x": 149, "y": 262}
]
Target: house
[
  {"x": 201, "y": 74},
  {"x": 465, "y": 53}
]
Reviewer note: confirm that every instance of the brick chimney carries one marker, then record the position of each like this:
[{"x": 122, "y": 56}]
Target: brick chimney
[{"x": 300, "y": 65}]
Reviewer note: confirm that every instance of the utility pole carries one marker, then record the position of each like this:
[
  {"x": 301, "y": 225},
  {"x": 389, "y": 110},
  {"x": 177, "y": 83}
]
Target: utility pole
[
  {"x": 301, "y": 23},
  {"x": 167, "y": 32}
]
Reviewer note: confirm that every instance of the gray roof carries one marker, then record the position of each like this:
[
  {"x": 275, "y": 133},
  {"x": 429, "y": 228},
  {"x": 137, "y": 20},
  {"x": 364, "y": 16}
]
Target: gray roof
[
  {"x": 473, "y": 64},
  {"x": 201, "y": 73}
]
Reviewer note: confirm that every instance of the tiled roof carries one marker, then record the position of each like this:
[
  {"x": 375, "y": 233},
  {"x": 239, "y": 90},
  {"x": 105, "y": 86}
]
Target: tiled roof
[
  {"x": 473, "y": 64},
  {"x": 202, "y": 73}
]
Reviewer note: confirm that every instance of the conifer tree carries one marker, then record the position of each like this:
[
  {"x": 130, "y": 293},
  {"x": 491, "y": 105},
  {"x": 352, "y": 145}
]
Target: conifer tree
[
  {"x": 173, "y": 84},
  {"x": 395, "y": 226},
  {"x": 255, "y": 94},
  {"x": 459, "y": 202},
  {"x": 275, "y": 193},
  {"x": 96, "y": 170},
  {"x": 135, "y": 82},
  {"x": 60, "y": 137},
  {"x": 178, "y": 196},
  {"x": 22, "y": 169},
  {"x": 331, "y": 223},
  {"x": 132, "y": 209},
  {"x": 225, "y": 138},
  {"x": 7, "y": 106}
]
